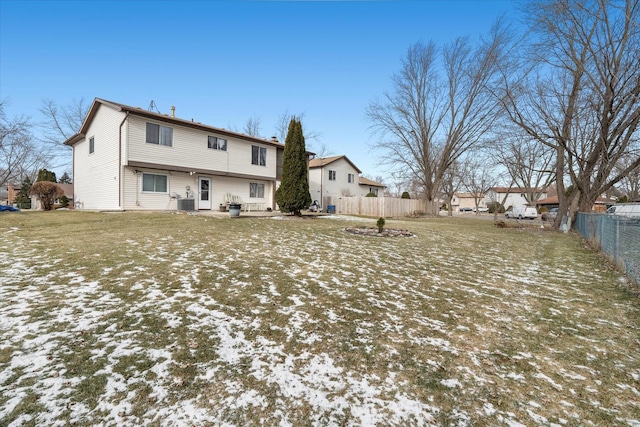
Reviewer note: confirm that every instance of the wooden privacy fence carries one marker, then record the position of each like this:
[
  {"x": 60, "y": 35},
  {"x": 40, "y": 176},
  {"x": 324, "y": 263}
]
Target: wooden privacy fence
[{"x": 376, "y": 206}]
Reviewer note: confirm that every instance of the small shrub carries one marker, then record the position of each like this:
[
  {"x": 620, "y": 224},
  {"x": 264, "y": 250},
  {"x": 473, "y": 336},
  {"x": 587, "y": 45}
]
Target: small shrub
[
  {"x": 495, "y": 206},
  {"x": 371, "y": 195},
  {"x": 405, "y": 195},
  {"x": 64, "y": 201},
  {"x": 380, "y": 223}
]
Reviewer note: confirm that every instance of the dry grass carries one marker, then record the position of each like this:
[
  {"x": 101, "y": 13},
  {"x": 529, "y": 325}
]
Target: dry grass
[{"x": 164, "y": 319}]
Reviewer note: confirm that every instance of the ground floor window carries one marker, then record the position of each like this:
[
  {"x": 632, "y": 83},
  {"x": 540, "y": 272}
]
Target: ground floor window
[
  {"x": 154, "y": 183},
  {"x": 256, "y": 190}
]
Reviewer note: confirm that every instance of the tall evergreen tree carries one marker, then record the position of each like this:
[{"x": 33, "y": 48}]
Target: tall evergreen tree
[
  {"x": 293, "y": 194},
  {"x": 22, "y": 199},
  {"x": 46, "y": 175},
  {"x": 65, "y": 179}
]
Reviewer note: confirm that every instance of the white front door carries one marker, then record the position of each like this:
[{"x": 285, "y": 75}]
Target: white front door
[{"x": 204, "y": 193}]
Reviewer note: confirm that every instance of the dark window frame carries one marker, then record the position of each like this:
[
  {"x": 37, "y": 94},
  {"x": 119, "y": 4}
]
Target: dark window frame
[
  {"x": 158, "y": 134},
  {"x": 256, "y": 190},
  {"x": 258, "y": 155},
  {"x": 155, "y": 183},
  {"x": 216, "y": 143}
]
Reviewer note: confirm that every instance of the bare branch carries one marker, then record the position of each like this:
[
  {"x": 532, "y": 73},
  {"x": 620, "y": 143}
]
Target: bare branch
[{"x": 441, "y": 107}]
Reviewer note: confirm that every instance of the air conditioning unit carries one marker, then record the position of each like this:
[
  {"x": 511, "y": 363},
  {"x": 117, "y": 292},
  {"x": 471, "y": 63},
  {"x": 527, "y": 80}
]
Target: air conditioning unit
[{"x": 186, "y": 204}]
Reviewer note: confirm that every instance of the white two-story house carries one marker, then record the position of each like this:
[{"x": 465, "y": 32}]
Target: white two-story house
[
  {"x": 514, "y": 197},
  {"x": 127, "y": 158},
  {"x": 337, "y": 176}
]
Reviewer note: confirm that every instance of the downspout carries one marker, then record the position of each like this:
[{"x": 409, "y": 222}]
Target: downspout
[
  {"x": 321, "y": 193},
  {"x": 120, "y": 188}
]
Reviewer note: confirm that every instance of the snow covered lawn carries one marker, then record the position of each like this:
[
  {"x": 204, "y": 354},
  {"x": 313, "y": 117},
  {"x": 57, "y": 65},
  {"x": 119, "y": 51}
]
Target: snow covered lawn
[{"x": 138, "y": 319}]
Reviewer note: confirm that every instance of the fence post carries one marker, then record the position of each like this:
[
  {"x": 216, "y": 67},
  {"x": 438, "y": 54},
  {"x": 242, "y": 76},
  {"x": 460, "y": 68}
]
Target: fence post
[{"x": 616, "y": 243}]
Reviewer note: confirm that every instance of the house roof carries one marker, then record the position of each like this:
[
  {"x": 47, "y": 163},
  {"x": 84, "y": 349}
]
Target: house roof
[
  {"x": 469, "y": 195},
  {"x": 323, "y": 161},
  {"x": 137, "y": 111},
  {"x": 553, "y": 200},
  {"x": 68, "y": 190},
  {"x": 514, "y": 189},
  {"x": 366, "y": 181}
]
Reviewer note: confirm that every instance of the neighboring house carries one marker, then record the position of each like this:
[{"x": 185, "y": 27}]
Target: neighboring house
[
  {"x": 4, "y": 197},
  {"x": 548, "y": 202},
  {"x": 12, "y": 192},
  {"x": 127, "y": 158},
  {"x": 334, "y": 176},
  {"x": 601, "y": 204},
  {"x": 68, "y": 191},
  {"x": 368, "y": 186},
  {"x": 466, "y": 200},
  {"x": 515, "y": 196}
]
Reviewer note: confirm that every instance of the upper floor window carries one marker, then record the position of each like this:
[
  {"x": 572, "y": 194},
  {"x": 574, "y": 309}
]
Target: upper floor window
[
  {"x": 154, "y": 183},
  {"x": 256, "y": 190},
  {"x": 160, "y": 135},
  {"x": 216, "y": 143},
  {"x": 351, "y": 178},
  {"x": 92, "y": 145},
  {"x": 332, "y": 175},
  {"x": 258, "y": 155}
]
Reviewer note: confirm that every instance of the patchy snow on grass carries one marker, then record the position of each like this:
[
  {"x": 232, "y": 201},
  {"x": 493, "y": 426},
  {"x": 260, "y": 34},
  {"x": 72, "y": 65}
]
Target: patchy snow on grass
[{"x": 301, "y": 324}]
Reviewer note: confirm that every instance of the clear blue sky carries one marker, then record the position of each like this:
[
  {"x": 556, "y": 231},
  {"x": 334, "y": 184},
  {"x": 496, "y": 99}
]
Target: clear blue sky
[{"x": 222, "y": 62}]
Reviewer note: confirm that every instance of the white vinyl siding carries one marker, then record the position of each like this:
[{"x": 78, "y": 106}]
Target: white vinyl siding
[
  {"x": 332, "y": 180},
  {"x": 190, "y": 151},
  {"x": 96, "y": 175}
]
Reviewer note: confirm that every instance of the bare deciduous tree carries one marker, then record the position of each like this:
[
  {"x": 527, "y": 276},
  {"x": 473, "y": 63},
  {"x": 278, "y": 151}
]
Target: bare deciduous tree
[
  {"x": 282, "y": 127},
  {"x": 253, "y": 126},
  {"x": 630, "y": 184},
  {"x": 440, "y": 108},
  {"x": 20, "y": 155},
  {"x": 478, "y": 178},
  {"x": 321, "y": 150},
  {"x": 451, "y": 183},
  {"x": 47, "y": 193},
  {"x": 529, "y": 163},
  {"x": 582, "y": 98},
  {"x": 61, "y": 122}
]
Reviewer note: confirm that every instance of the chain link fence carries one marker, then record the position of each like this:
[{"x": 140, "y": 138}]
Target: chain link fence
[{"x": 618, "y": 237}]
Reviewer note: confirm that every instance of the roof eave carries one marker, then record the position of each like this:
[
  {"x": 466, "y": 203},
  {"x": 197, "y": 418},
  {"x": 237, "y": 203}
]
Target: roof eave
[{"x": 74, "y": 139}]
